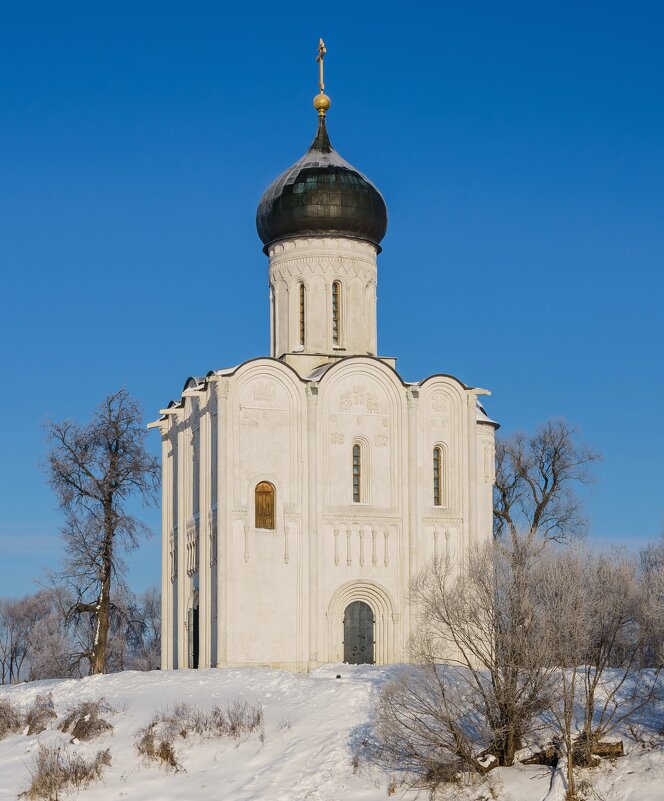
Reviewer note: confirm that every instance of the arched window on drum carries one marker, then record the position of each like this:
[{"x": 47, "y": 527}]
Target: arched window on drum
[
  {"x": 336, "y": 314},
  {"x": 301, "y": 299}
]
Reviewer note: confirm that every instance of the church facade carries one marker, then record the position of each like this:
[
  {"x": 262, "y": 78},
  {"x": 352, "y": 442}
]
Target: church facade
[{"x": 303, "y": 491}]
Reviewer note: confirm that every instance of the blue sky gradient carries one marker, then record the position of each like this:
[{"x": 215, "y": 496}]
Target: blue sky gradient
[{"x": 520, "y": 149}]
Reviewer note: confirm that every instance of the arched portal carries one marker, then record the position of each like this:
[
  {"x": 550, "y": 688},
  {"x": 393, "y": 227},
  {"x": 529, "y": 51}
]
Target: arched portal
[
  {"x": 359, "y": 626},
  {"x": 384, "y": 621}
]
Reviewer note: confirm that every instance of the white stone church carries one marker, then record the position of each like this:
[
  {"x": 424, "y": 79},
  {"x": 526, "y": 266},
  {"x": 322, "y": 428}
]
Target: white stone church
[{"x": 303, "y": 490}]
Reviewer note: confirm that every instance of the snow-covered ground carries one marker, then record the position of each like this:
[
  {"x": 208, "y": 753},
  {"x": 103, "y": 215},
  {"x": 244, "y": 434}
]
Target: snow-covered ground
[{"x": 312, "y": 726}]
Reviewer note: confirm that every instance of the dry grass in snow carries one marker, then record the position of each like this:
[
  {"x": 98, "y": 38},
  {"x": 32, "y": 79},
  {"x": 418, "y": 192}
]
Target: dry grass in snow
[
  {"x": 55, "y": 771},
  {"x": 157, "y": 740},
  {"x": 84, "y": 721}
]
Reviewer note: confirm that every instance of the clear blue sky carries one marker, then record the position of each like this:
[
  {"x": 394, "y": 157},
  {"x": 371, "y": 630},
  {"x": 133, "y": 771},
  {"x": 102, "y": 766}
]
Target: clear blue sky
[{"x": 519, "y": 146}]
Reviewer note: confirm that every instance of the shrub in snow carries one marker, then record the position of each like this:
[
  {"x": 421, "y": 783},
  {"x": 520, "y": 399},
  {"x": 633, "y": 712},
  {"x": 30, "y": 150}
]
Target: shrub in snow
[
  {"x": 84, "y": 721},
  {"x": 56, "y": 770},
  {"x": 238, "y": 720},
  {"x": 11, "y": 720},
  {"x": 40, "y": 714},
  {"x": 156, "y": 741}
]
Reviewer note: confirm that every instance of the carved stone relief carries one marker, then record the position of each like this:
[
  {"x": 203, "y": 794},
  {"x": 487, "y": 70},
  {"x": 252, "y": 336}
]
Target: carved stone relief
[
  {"x": 358, "y": 399},
  {"x": 439, "y": 403},
  {"x": 265, "y": 391}
]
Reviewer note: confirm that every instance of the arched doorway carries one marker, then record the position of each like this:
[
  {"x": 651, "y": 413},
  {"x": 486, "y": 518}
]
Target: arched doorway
[{"x": 359, "y": 634}]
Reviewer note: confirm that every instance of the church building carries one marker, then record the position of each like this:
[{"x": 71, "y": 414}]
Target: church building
[{"x": 303, "y": 491}]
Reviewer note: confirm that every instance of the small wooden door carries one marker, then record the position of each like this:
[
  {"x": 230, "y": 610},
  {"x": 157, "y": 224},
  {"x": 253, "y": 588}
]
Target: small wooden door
[{"x": 358, "y": 634}]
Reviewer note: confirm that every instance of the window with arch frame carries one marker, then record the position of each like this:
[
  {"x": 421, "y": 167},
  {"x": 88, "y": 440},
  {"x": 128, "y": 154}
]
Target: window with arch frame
[
  {"x": 265, "y": 497},
  {"x": 336, "y": 313},
  {"x": 357, "y": 473},
  {"x": 437, "y": 476}
]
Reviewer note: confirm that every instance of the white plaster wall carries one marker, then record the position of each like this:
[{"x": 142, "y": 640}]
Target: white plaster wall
[
  {"x": 280, "y": 595},
  {"x": 266, "y": 425}
]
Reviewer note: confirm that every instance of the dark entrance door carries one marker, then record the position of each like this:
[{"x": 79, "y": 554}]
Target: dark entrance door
[
  {"x": 194, "y": 635},
  {"x": 358, "y": 634}
]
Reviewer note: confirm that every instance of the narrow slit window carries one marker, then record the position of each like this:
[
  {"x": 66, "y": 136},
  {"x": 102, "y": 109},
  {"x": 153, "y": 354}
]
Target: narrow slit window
[
  {"x": 437, "y": 477},
  {"x": 357, "y": 473},
  {"x": 302, "y": 314},
  {"x": 336, "y": 313},
  {"x": 273, "y": 321},
  {"x": 265, "y": 496}
]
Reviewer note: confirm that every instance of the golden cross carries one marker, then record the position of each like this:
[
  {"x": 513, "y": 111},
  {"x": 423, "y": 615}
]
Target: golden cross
[{"x": 319, "y": 58}]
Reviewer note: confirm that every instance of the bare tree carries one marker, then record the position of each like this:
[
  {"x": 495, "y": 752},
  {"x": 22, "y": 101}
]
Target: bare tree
[
  {"x": 592, "y": 606},
  {"x": 95, "y": 470},
  {"x": 565, "y": 615},
  {"x": 144, "y": 632},
  {"x": 17, "y": 618},
  {"x": 536, "y": 503},
  {"x": 482, "y": 680},
  {"x": 52, "y": 638},
  {"x": 34, "y": 641},
  {"x": 536, "y": 476},
  {"x": 652, "y": 584},
  {"x": 615, "y": 686}
]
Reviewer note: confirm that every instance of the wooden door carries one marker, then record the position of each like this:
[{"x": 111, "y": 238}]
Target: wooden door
[{"x": 265, "y": 505}]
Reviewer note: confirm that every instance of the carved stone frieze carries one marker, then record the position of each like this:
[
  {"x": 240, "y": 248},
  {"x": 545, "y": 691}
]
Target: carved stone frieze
[
  {"x": 265, "y": 391},
  {"x": 324, "y": 266},
  {"x": 325, "y": 244},
  {"x": 358, "y": 399},
  {"x": 439, "y": 403}
]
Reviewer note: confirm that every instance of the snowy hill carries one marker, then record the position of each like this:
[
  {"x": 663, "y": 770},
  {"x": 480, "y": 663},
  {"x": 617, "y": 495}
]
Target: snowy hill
[{"x": 311, "y": 727}]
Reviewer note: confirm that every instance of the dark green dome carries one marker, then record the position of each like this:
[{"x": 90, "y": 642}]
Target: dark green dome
[{"x": 321, "y": 195}]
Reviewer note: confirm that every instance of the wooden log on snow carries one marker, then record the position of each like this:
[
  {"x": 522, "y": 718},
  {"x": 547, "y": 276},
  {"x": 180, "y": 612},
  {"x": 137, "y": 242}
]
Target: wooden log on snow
[{"x": 609, "y": 750}]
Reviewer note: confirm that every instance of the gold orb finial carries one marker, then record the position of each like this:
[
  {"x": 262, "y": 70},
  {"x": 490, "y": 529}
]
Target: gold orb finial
[{"x": 322, "y": 102}]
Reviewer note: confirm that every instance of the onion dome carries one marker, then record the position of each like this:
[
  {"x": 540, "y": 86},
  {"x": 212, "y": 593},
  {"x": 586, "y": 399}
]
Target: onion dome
[{"x": 321, "y": 195}]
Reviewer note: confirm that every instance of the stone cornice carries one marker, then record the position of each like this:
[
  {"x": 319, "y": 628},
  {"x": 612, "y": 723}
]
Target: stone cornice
[
  {"x": 320, "y": 245},
  {"x": 324, "y": 265}
]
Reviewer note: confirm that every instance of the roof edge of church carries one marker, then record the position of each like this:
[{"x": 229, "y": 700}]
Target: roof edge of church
[{"x": 199, "y": 383}]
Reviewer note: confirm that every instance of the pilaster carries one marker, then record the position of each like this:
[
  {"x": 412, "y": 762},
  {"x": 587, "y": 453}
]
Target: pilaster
[
  {"x": 471, "y": 401},
  {"x": 223, "y": 521},
  {"x": 182, "y": 473},
  {"x": 413, "y": 506},
  {"x": 312, "y": 516},
  {"x": 204, "y": 591},
  {"x": 166, "y": 506}
]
